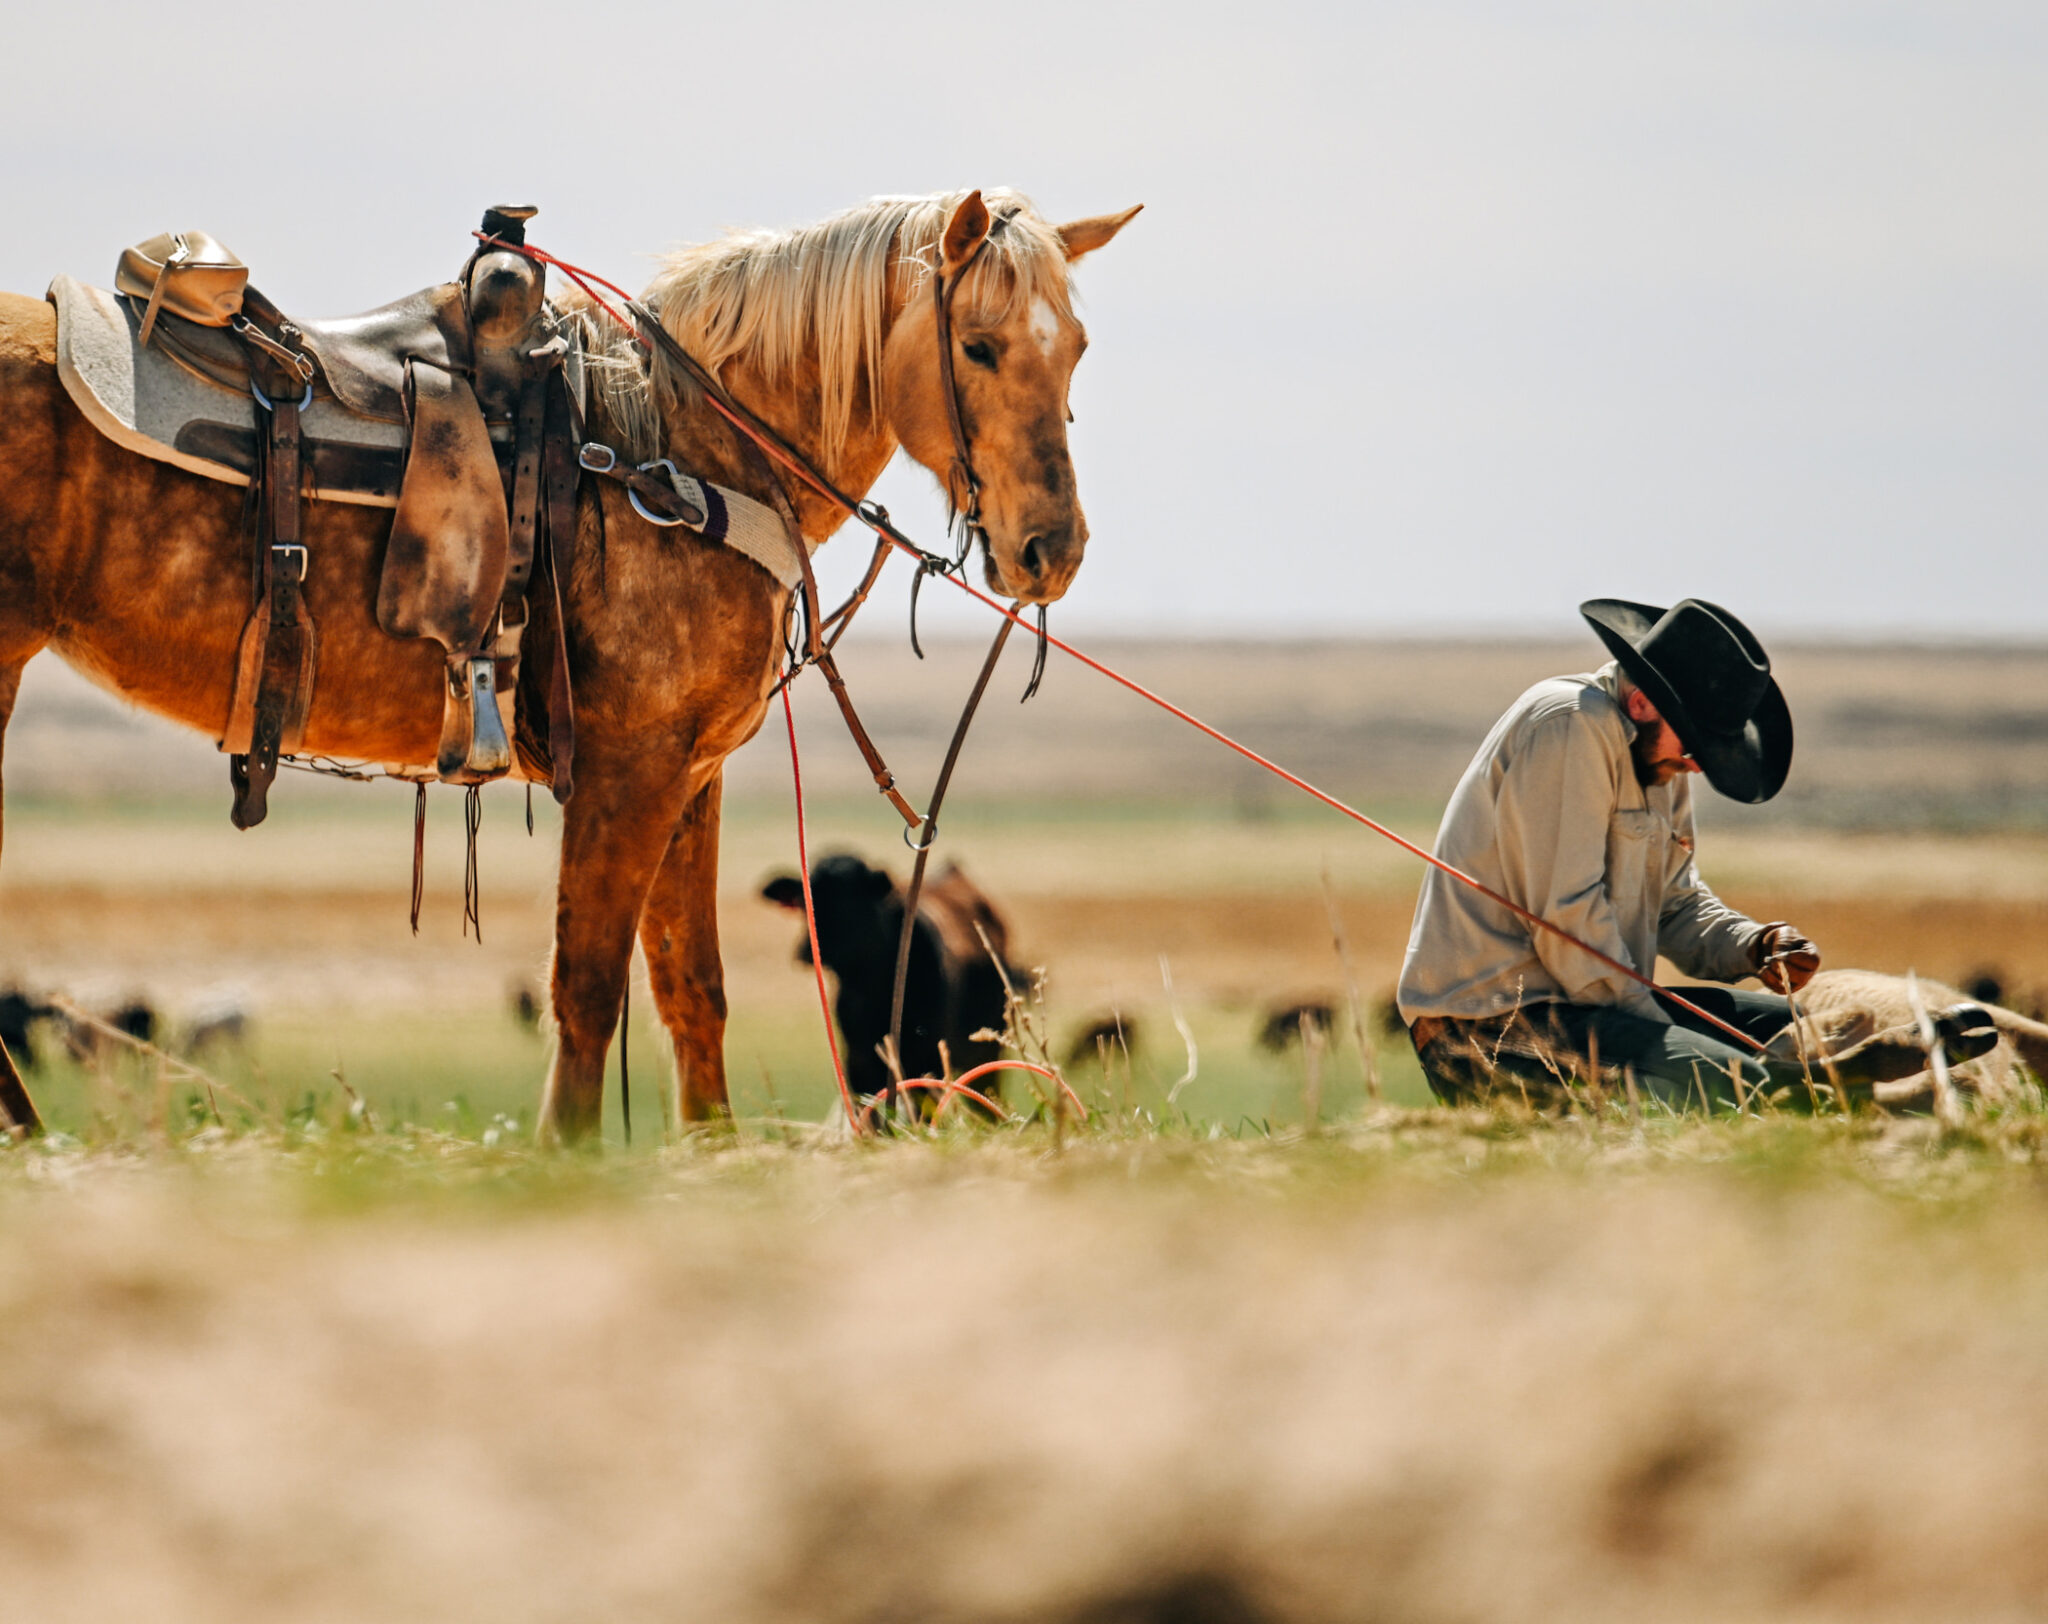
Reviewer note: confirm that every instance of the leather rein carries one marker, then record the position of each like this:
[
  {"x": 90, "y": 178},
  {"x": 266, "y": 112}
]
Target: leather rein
[{"x": 822, "y": 632}]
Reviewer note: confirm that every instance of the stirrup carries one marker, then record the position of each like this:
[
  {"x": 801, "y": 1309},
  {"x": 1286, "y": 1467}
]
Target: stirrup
[
  {"x": 474, "y": 747},
  {"x": 490, "y": 752}
]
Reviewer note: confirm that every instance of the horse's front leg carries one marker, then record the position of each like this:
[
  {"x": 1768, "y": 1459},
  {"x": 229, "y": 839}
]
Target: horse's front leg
[
  {"x": 615, "y": 830},
  {"x": 679, "y": 934}
]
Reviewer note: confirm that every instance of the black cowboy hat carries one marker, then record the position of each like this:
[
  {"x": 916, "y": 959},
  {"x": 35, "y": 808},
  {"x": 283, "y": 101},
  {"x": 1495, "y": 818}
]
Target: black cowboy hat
[{"x": 1711, "y": 680}]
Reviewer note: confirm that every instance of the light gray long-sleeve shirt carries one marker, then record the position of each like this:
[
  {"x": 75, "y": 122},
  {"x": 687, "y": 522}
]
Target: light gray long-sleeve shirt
[{"x": 1551, "y": 816}]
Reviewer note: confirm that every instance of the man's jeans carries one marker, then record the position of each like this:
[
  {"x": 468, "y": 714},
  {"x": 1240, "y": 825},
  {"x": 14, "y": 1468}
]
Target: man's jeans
[{"x": 1546, "y": 1050}]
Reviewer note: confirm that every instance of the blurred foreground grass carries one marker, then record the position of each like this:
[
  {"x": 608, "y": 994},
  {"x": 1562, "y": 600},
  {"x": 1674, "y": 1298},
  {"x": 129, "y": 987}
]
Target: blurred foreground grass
[
  {"x": 338, "y": 1343},
  {"x": 1159, "y": 1367},
  {"x": 1432, "y": 1366}
]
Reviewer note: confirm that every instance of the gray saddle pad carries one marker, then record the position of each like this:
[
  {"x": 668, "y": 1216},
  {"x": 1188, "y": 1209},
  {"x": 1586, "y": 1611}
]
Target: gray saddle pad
[{"x": 148, "y": 403}]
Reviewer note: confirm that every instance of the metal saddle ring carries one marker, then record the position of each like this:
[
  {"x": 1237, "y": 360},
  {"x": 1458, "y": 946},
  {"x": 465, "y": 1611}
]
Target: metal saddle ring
[
  {"x": 642, "y": 508},
  {"x": 264, "y": 400}
]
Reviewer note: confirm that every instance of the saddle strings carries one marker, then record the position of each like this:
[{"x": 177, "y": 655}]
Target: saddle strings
[
  {"x": 472, "y": 890},
  {"x": 419, "y": 852}
]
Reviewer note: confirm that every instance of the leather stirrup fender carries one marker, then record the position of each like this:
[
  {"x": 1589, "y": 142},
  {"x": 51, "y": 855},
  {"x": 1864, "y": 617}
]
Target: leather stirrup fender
[{"x": 444, "y": 566}]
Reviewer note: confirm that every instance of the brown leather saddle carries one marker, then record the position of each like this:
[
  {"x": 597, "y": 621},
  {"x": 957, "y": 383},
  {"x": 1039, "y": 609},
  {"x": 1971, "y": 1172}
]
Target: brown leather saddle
[{"x": 478, "y": 373}]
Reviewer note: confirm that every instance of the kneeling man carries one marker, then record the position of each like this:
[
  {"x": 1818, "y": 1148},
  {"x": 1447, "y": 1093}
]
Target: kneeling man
[{"x": 1578, "y": 808}]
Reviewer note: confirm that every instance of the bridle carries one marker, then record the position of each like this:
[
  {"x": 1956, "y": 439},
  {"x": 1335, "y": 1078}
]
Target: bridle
[
  {"x": 969, "y": 514},
  {"x": 759, "y": 440}
]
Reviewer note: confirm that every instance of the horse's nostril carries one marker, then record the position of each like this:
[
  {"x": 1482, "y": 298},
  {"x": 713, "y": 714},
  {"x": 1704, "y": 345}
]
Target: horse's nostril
[{"x": 1032, "y": 558}]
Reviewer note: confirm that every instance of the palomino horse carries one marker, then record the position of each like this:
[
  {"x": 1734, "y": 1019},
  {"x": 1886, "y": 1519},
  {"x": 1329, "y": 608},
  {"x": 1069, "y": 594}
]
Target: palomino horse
[{"x": 137, "y": 572}]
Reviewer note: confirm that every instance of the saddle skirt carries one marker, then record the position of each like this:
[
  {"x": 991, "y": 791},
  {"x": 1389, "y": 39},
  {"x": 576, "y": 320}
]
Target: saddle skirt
[{"x": 149, "y": 403}]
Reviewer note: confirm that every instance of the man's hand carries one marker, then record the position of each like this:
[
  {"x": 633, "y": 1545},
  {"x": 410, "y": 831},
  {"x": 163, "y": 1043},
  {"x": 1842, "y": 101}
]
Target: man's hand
[{"x": 1784, "y": 960}]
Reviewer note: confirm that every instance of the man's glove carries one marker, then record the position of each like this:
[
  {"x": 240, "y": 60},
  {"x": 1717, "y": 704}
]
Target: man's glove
[{"x": 1783, "y": 959}]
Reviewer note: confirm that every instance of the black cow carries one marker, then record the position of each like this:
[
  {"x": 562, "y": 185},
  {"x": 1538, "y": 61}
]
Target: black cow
[
  {"x": 1283, "y": 1024},
  {"x": 19, "y": 1013},
  {"x": 955, "y": 985}
]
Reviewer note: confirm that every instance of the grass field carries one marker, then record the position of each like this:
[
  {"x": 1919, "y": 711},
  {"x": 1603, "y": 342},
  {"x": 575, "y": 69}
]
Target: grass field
[
  {"x": 320, "y": 1335},
  {"x": 304, "y": 925}
]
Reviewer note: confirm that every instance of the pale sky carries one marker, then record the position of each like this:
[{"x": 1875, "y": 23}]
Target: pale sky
[{"x": 1439, "y": 316}]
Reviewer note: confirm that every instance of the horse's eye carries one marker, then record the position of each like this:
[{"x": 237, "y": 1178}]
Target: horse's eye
[{"x": 981, "y": 352}]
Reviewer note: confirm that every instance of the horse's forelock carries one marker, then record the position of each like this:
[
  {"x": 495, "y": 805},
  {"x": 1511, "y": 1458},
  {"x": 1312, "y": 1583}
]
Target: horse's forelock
[{"x": 1023, "y": 262}]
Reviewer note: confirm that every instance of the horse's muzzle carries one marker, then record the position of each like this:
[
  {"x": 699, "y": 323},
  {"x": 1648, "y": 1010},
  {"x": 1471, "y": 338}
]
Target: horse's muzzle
[{"x": 1043, "y": 567}]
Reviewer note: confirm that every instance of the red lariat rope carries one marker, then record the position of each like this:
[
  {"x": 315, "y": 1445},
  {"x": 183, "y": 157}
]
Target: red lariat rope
[
  {"x": 803, "y": 858},
  {"x": 1053, "y": 1077},
  {"x": 768, "y": 443},
  {"x": 1357, "y": 816},
  {"x": 951, "y": 1088}
]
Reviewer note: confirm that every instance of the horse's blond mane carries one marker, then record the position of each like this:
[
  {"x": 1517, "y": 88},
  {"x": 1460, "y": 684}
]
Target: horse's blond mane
[{"x": 770, "y": 298}]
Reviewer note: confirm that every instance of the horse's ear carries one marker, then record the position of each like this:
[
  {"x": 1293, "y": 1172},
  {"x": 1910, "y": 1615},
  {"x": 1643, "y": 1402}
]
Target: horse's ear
[
  {"x": 966, "y": 231},
  {"x": 785, "y": 891},
  {"x": 1085, "y": 236}
]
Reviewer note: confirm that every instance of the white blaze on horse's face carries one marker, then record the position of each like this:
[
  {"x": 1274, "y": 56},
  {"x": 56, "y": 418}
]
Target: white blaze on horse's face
[
  {"x": 1045, "y": 325},
  {"x": 1013, "y": 359}
]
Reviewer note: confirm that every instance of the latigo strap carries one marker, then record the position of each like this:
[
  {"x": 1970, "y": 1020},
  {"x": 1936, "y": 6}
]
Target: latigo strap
[{"x": 274, "y": 673}]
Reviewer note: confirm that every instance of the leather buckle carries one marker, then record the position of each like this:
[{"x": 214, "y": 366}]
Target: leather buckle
[
  {"x": 281, "y": 552},
  {"x": 587, "y": 455}
]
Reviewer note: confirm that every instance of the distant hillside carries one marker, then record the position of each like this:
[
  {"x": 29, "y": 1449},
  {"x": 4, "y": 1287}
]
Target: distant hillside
[{"x": 1888, "y": 736}]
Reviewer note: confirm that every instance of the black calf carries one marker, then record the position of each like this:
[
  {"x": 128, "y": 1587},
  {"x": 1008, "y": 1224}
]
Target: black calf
[{"x": 955, "y": 984}]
